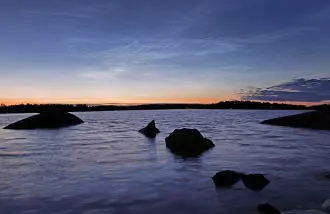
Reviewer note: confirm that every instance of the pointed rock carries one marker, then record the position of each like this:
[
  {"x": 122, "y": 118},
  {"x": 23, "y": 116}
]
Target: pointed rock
[
  {"x": 188, "y": 142},
  {"x": 150, "y": 130}
]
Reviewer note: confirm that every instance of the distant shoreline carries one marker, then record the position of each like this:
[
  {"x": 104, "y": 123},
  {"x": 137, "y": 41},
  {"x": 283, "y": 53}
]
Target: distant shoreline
[{"x": 243, "y": 105}]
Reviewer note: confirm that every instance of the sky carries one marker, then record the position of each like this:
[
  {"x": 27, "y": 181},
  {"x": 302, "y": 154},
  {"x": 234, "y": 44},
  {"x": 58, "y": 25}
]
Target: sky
[{"x": 164, "y": 51}]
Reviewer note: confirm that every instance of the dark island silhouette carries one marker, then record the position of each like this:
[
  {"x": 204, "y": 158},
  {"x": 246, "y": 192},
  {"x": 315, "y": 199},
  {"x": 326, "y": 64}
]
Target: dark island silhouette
[{"x": 36, "y": 108}]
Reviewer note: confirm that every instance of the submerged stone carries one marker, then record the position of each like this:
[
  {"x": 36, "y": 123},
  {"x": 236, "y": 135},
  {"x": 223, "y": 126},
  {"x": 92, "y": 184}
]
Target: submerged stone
[
  {"x": 327, "y": 176},
  {"x": 326, "y": 205},
  {"x": 255, "y": 182},
  {"x": 268, "y": 209},
  {"x": 226, "y": 178},
  {"x": 188, "y": 142},
  {"x": 304, "y": 212},
  {"x": 46, "y": 120}
]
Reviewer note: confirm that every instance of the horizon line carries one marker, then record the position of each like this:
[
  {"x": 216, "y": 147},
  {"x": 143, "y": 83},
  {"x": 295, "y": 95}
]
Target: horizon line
[{"x": 166, "y": 103}]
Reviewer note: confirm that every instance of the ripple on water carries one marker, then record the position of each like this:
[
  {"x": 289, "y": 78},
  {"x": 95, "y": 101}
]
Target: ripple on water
[
  {"x": 18, "y": 154},
  {"x": 106, "y": 166}
]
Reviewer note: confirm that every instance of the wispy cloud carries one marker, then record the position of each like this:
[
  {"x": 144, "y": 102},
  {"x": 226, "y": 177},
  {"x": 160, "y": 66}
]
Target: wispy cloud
[
  {"x": 146, "y": 53},
  {"x": 302, "y": 90},
  {"x": 275, "y": 36},
  {"x": 162, "y": 57},
  {"x": 58, "y": 13},
  {"x": 102, "y": 74},
  {"x": 159, "y": 48}
]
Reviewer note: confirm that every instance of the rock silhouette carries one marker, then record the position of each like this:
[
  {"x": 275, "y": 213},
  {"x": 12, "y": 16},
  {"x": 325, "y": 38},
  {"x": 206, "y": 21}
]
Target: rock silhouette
[
  {"x": 326, "y": 205},
  {"x": 303, "y": 212},
  {"x": 187, "y": 142},
  {"x": 267, "y": 209},
  {"x": 150, "y": 130},
  {"x": 327, "y": 176},
  {"x": 46, "y": 120},
  {"x": 313, "y": 120},
  {"x": 255, "y": 182},
  {"x": 226, "y": 178}
]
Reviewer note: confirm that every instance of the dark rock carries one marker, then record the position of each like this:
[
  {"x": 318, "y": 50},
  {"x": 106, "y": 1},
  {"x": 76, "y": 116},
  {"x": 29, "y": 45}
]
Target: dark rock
[
  {"x": 313, "y": 120},
  {"x": 46, "y": 120},
  {"x": 150, "y": 130},
  {"x": 226, "y": 178},
  {"x": 267, "y": 209},
  {"x": 256, "y": 182},
  {"x": 188, "y": 142},
  {"x": 327, "y": 176},
  {"x": 326, "y": 205}
]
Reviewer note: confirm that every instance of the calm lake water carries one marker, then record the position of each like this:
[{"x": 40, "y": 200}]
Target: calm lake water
[{"x": 106, "y": 166}]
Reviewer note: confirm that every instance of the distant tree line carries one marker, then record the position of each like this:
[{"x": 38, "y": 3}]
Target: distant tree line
[{"x": 35, "y": 108}]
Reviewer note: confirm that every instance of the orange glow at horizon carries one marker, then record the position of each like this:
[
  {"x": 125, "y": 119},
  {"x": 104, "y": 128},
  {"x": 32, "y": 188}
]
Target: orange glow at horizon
[
  {"x": 178, "y": 99},
  {"x": 197, "y": 100}
]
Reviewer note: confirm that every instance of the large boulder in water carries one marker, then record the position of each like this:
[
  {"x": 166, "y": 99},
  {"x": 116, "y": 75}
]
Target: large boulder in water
[
  {"x": 47, "y": 120},
  {"x": 188, "y": 142},
  {"x": 255, "y": 182},
  {"x": 150, "y": 130},
  {"x": 313, "y": 120},
  {"x": 268, "y": 209},
  {"x": 226, "y": 178}
]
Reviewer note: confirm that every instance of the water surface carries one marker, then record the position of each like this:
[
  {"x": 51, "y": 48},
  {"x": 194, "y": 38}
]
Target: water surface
[{"x": 106, "y": 166}]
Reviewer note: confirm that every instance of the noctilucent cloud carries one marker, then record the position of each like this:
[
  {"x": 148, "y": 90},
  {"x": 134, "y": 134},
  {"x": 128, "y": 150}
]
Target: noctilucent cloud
[{"x": 157, "y": 51}]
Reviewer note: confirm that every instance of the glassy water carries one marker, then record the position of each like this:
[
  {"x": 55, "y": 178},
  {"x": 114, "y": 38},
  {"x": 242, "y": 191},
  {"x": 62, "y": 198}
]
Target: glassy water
[{"x": 106, "y": 166}]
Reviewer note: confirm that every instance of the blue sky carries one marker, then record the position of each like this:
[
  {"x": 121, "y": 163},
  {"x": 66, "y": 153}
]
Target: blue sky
[{"x": 125, "y": 51}]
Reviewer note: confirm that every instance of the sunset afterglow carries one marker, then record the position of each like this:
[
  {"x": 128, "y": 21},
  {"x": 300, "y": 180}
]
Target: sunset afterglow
[{"x": 99, "y": 52}]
